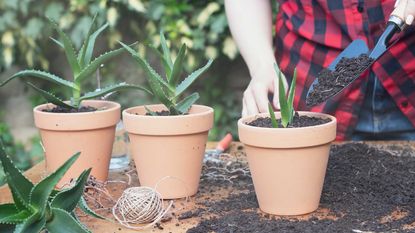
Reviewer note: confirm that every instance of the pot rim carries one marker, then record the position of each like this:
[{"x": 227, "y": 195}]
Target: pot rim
[{"x": 208, "y": 111}]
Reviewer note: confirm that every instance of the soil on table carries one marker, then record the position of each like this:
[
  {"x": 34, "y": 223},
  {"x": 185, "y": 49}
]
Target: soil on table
[
  {"x": 366, "y": 190},
  {"x": 59, "y": 109},
  {"x": 331, "y": 82},
  {"x": 298, "y": 121}
]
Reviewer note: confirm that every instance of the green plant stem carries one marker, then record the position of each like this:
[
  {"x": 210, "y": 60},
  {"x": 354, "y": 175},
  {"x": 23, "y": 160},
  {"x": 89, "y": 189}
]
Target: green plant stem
[{"x": 76, "y": 96}]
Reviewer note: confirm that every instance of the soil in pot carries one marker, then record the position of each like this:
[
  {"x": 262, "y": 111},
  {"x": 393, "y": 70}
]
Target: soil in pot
[
  {"x": 363, "y": 186},
  {"x": 59, "y": 109},
  {"x": 331, "y": 82},
  {"x": 159, "y": 113},
  {"x": 298, "y": 121}
]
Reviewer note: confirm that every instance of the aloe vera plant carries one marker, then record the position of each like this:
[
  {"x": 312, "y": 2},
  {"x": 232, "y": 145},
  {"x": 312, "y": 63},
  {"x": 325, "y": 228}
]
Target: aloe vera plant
[
  {"x": 168, "y": 90},
  {"x": 286, "y": 103},
  {"x": 82, "y": 66},
  {"x": 39, "y": 206}
]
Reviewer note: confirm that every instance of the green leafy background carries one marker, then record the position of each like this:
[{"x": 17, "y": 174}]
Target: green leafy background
[{"x": 202, "y": 25}]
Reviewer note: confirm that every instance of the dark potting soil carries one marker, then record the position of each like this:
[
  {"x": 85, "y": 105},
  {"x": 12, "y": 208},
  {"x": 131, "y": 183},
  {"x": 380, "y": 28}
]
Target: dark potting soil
[
  {"x": 160, "y": 113},
  {"x": 363, "y": 185},
  {"x": 298, "y": 121},
  {"x": 331, "y": 82},
  {"x": 59, "y": 109}
]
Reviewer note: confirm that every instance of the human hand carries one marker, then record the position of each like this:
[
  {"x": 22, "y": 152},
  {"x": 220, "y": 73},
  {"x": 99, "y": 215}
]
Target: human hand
[
  {"x": 264, "y": 80},
  {"x": 405, "y": 9}
]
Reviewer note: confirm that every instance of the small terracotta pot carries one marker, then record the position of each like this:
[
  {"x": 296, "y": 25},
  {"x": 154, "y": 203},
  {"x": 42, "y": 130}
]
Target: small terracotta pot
[
  {"x": 168, "y": 150},
  {"x": 288, "y": 165},
  {"x": 91, "y": 133}
]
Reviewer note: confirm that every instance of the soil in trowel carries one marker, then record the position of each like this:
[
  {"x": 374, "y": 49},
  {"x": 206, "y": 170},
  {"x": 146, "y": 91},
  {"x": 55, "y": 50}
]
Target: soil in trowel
[
  {"x": 331, "y": 82},
  {"x": 364, "y": 185},
  {"x": 298, "y": 121}
]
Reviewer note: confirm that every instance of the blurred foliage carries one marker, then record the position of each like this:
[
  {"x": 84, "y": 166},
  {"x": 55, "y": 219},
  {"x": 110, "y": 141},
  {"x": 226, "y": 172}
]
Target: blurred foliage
[{"x": 202, "y": 25}]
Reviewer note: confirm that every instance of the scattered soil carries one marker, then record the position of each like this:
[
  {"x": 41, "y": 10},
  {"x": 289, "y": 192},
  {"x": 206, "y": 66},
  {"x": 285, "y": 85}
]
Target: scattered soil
[
  {"x": 331, "y": 82},
  {"x": 363, "y": 190},
  {"x": 160, "y": 113},
  {"x": 298, "y": 121},
  {"x": 59, "y": 109}
]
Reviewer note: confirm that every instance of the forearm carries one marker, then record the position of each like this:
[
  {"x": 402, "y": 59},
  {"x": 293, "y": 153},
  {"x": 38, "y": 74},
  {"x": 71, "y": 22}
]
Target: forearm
[{"x": 250, "y": 22}]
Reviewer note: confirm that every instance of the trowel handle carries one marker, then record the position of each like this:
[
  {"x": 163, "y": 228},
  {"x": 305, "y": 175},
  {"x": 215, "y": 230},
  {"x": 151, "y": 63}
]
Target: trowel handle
[{"x": 398, "y": 15}]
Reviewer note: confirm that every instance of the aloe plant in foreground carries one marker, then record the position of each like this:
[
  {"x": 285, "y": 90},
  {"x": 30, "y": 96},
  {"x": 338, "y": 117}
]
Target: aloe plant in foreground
[
  {"x": 168, "y": 90},
  {"x": 82, "y": 66},
  {"x": 39, "y": 206},
  {"x": 286, "y": 103}
]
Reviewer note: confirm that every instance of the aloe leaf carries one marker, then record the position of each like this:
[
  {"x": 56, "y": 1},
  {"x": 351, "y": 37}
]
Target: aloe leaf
[
  {"x": 33, "y": 224},
  {"x": 7, "y": 210},
  {"x": 167, "y": 68},
  {"x": 166, "y": 51},
  {"x": 149, "y": 111},
  {"x": 184, "y": 105},
  {"x": 57, "y": 42},
  {"x": 68, "y": 199},
  {"x": 285, "y": 111},
  {"x": 50, "y": 97},
  {"x": 90, "y": 69},
  {"x": 113, "y": 88},
  {"x": 7, "y": 228},
  {"x": 42, "y": 75},
  {"x": 291, "y": 94},
  {"x": 19, "y": 185},
  {"x": 41, "y": 191},
  {"x": 177, "y": 67},
  {"x": 150, "y": 72},
  {"x": 82, "y": 51},
  {"x": 85, "y": 208},
  {"x": 62, "y": 221},
  {"x": 14, "y": 218},
  {"x": 191, "y": 78},
  {"x": 69, "y": 49},
  {"x": 274, "y": 121}
]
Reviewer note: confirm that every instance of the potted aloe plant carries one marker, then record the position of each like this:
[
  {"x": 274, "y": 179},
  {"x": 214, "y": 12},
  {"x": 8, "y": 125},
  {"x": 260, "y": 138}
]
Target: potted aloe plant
[
  {"x": 168, "y": 140},
  {"x": 39, "y": 207},
  {"x": 80, "y": 123},
  {"x": 287, "y": 154}
]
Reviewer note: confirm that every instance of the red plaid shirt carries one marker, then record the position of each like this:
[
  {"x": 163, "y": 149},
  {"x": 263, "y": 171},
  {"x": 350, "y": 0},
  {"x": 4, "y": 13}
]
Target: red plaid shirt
[{"x": 311, "y": 33}]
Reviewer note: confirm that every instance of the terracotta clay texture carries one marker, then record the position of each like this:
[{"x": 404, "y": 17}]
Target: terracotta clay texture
[
  {"x": 288, "y": 165},
  {"x": 91, "y": 133},
  {"x": 168, "y": 150}
]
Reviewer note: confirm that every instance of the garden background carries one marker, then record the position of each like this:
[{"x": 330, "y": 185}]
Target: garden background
[{"x": 25, "y": 43}]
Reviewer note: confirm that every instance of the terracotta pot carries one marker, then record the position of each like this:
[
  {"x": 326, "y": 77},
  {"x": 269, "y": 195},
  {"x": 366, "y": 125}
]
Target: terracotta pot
[
  {"x": 91, "y": 133},
  {"x": 288, "y": 165},
  {"x": 168, "y": 150}
]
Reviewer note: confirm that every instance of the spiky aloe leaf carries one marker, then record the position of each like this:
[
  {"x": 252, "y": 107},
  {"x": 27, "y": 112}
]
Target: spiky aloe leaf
[
  {"x": 177, "y": 67},
  {"x": 285, "y": 111},
  {"x": 50, "y": 97},
  {"x": 62, "y": 221},
  {"x": 33, "y": 224},
  {"x": 15, "y": 218},
  {"x": 68, "y": 47},
  {"x": 167, "y": 68},
  {"x": 150, "y": 72},
  {"x": 291, "y": 94},
  {"x": 274, "y": 121},
  {"x": 57, "y": 42},
  {"x": 7, "y": 210},
  {"x": 42, "y": 75},
  {"x": 41, "y": 191},
  {"x": 68, "y": 199},
  {"x": 7, "y": 228},
  {"x": 85, "y": 208},
  {"x": 166, "y": 51},
  {"x": 113, "y": 88},
  {"x": 184, "y": 105},
  {"x": 89, "y": 70},
  {"x": 191, "y": 78},
  {"x": 85, "y": 53},
  {"x": 19, "y": 185}
]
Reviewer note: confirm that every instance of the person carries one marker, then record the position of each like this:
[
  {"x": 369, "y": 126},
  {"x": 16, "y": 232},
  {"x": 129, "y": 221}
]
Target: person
[{"x": 309, "y": 34}]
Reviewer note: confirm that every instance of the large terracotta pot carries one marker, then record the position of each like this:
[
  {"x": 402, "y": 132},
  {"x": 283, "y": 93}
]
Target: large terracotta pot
[
  {"x": 91, "y": 133},
  {"x": 168, "y": 150},
  {"x": 288, "y": 165}
]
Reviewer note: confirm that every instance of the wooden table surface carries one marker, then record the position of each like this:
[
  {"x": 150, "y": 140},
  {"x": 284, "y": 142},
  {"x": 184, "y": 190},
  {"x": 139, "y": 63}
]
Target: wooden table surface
[{"x": 181, "y": 206}]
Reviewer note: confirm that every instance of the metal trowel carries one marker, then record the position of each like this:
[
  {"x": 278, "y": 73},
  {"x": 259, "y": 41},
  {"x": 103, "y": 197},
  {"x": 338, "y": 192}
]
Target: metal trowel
[{"x": 395, "y": 25}]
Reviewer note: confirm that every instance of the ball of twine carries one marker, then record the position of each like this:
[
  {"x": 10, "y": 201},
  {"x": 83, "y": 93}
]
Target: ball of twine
[{"x": 139, "y": 205}]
